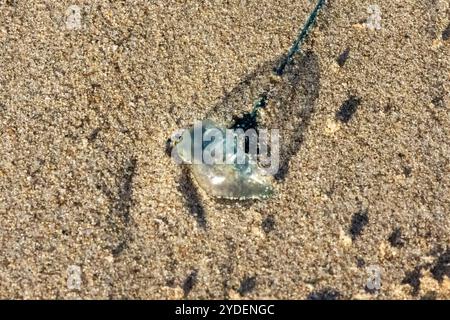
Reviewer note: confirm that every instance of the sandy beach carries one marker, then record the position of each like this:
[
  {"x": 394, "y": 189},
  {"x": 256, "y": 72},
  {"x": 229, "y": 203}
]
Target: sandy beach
[{"x": 93, "y": 207}]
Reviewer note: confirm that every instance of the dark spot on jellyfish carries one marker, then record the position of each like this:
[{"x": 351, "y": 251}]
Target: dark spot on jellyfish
[
  {"x": 343, "y": 57},
  {"x": 268, "y": 224},
  {"x": 438, "y": 102},
  {"x": 413, "y": 279},
  {"x": 442, "y": 266},
  {"x": 248, "y": 284},
  {"x": 446, "y": 33},
  {"x": 324, "y": 294},
  {"x": 348, "y": 109},
  {"x": 94, "y": 134},
  {"x": 360, "y": 262},
  {"x": 249, "y": 120},
  {"x": 407, "y": 171},
  {"x": 245, "y": 122},
  {"x": 395, "y": 239},
  {"x": 190, "y": 282},
  {"x": 359, "y": 222}
]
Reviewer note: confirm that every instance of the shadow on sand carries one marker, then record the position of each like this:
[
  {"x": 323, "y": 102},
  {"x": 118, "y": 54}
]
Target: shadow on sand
[{"x": 290, "y": 103}]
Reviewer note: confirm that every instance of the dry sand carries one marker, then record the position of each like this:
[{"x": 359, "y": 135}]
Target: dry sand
[{"x": 91, "y": 206}]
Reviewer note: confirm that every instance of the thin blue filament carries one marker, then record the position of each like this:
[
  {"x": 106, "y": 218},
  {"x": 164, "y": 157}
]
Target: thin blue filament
[
  {"x": 296, "y": 46},
  {"x": 249, "y": 119}
]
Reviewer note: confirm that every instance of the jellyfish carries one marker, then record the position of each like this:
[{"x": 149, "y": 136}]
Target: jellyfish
[{"x": 222, "y": 176}]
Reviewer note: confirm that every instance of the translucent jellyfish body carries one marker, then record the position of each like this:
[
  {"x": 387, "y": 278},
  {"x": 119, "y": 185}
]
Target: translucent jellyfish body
[{"x": 218, "y": 167}]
